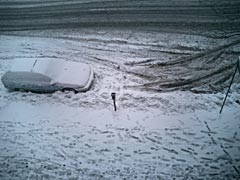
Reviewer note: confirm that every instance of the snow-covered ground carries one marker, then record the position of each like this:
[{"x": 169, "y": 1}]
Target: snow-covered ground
[
  {"x": 169, "y": 63},
  {"x": 50, "y": 141},
  {"x": 152, "y": 135}
]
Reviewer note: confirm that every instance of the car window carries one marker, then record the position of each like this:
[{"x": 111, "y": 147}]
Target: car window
[{"x": 28, "y": 77}]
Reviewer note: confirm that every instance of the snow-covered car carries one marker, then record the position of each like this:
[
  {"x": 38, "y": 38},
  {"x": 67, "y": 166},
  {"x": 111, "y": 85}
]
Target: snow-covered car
[{"x": 48, "y": 75}]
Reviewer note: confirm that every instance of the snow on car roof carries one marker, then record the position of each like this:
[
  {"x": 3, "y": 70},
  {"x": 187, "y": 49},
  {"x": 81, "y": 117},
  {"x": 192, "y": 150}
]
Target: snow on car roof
[
  {"x": 65, "y": 72},
  {"x": 60, "y": 71}
]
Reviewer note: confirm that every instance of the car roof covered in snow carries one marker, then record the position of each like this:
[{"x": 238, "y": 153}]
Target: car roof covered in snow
[{"x": 60, "y": 71}]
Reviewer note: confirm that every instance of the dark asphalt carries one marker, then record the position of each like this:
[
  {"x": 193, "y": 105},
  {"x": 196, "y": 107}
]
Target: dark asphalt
[{"x": 186, "y": 14}]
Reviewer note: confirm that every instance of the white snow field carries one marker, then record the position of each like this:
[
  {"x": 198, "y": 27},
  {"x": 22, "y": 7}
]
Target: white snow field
[
  {"x": 169, "y": 62},
  {"x": 152, "y": 135}
]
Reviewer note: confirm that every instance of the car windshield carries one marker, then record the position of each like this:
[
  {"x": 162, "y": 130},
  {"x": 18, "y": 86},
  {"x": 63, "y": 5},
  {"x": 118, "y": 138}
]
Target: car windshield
[{"x": 48, "y": 67}]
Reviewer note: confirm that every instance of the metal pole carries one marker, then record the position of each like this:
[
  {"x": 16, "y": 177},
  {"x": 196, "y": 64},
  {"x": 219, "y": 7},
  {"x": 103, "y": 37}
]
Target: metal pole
[
  {"x": 239, "y": 64},
  {"x": 237, "y": 67}
]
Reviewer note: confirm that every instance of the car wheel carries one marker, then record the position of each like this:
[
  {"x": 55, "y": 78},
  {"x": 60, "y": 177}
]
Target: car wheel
[{"x": 69, "y": 89}]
